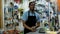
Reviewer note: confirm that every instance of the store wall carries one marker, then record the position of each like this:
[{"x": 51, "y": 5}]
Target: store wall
[
  {"x": 58, "y": 3},
  {"x": 1, "y": 15}
]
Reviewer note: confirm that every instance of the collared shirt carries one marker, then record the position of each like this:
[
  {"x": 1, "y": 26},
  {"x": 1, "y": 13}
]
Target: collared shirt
[{"x": 25, "y": 16}]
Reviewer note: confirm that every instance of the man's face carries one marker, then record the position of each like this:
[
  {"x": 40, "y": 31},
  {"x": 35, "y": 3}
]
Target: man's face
[{"x": 32, "y": 6}]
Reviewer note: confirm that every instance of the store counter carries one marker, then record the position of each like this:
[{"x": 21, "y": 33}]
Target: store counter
[
  {"x": 51, "y": 32},
  {"x": 47, "y": 32}
]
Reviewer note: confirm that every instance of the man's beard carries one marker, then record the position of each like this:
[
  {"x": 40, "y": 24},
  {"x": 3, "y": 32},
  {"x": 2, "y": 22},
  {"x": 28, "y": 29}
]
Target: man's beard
[{"x": 32, "y": 9}]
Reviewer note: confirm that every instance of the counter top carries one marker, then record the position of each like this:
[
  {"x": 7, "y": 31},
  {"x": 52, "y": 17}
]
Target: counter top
[{"x": 47, "y": 32}]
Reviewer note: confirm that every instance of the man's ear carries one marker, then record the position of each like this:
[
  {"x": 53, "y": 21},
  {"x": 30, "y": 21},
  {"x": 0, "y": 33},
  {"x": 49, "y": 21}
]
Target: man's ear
[{"x": 29, "y": 6}]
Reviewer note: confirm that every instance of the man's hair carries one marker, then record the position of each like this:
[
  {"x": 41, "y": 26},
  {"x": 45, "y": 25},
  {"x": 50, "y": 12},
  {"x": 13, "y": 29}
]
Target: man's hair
[{"x": 31, "y": 2}]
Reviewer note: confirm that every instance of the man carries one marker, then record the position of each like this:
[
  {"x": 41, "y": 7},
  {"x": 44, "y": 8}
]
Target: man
[
  {"x": 31, "y": 19},
  {"x": 10, "y": 7}
]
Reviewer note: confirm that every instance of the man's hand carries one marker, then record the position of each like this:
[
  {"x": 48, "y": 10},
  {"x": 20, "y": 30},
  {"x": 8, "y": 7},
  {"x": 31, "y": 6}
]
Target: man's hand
[{"x": 33, "y": 29}]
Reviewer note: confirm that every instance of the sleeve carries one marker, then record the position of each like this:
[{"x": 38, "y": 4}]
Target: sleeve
[
  {"x": 24, "y": 16},
  {"x": 38, "y": 18}
]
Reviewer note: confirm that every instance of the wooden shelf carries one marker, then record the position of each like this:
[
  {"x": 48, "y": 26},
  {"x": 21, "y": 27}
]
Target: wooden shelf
[{"x": 1, "y": 15}]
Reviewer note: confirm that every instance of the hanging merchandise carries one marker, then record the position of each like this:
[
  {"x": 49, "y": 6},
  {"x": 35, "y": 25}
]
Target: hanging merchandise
[
  {"x": 5, "y": 1},
  {"x": 18, "y": 1},
  {"x": 15, "y": 7},
  {"x": 21, "y": 1}
]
